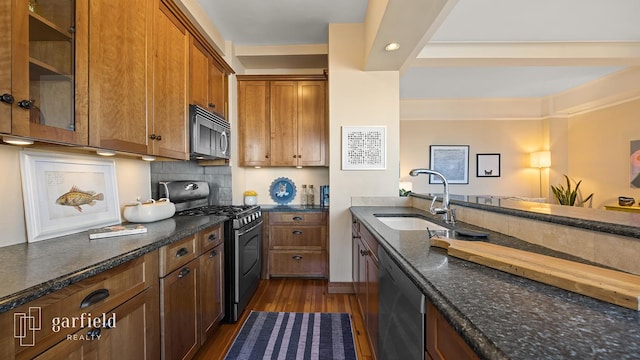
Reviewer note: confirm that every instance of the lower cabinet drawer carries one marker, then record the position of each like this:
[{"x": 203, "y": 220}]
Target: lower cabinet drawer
[
  {"x": 65, "y": 311},
  {"x": 298, "y": 263},
  {"x": 133, "y": 334}
]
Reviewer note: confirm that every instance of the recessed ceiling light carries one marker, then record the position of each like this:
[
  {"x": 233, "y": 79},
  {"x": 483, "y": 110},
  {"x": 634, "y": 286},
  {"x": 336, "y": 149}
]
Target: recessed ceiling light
[
  {"x": 148, "y": 158},
  {"x": 105, "y": 152},
  {"x": 392, "y": 46},
  {"x": 16, "y": 141}
]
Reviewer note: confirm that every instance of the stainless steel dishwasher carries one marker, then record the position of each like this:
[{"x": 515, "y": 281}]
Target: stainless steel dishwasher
[{"x": 402, "y": 310}]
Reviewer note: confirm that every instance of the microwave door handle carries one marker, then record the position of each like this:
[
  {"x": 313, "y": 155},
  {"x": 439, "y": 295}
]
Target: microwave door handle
[{"x": 224, "y": 142}]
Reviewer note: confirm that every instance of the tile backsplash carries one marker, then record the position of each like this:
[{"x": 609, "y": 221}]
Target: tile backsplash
[{"x": 218, "y": 177}]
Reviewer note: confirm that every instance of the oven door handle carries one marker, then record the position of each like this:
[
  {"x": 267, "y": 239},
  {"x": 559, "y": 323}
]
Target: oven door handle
[{"x": 240, "y": 233}]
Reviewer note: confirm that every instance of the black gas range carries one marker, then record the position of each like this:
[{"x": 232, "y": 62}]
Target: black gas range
[
  {"x": 241, "y": 215},
  {"x": 242, "y": 234}
]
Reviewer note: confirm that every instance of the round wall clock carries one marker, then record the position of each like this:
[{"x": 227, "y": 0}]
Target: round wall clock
[{"x": 282, "y": 190}]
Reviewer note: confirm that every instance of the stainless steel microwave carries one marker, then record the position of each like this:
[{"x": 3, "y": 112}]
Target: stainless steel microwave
[{"x": 209, "y": 134}]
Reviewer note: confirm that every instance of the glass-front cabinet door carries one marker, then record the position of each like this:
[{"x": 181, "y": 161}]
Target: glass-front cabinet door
[{"x": 47, "y": 75}]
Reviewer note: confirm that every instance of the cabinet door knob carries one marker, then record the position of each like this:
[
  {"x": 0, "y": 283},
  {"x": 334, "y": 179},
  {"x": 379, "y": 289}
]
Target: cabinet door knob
[
  {"x": 296, "y": 257},
  {"x": 213, "y": 253},
  {"x": 152, "y": 136},
  {"x": 25, "y": 104},
  {"x": 294, "y": 156},
  {"x": 212, "y": 105},
  {"x": 159, "y": 137},
  {"x": 266, "y": 156},
  {"x": 7, "y": 98}
]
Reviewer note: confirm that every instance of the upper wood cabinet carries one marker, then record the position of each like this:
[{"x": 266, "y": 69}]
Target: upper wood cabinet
[
  {"x": 42, "y": 70},
  {"x": 208, "y": 81},
  {"x": 169, "y": 129},
  {"x": 254, "y": 132},
  {"x": 120, "y": 73},
  {"x": 282, "y": 121}
]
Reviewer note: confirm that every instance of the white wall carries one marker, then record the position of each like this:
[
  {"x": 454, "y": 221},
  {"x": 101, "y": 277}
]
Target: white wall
[
  {"x": 598, "y": 144},
  {"x": 132, "y": 177},
  {"x": 512, "y": 139},
  {"x": 357, "y": 98}
]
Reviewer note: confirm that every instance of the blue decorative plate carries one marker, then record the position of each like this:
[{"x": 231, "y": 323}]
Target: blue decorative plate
[{"x": 282, "y": 190}]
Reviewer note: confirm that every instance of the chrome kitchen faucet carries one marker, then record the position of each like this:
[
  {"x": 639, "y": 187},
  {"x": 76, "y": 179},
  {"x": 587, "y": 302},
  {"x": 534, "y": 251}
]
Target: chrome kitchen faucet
[{"x": 448, "y": 214}]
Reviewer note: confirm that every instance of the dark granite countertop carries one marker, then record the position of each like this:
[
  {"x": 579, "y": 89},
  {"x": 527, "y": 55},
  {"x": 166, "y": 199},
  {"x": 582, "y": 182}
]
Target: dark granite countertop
[
  {"x": 293, "y": 208},
  {"x": 503, "y": 316},
  {"x": 32, "y": 270}
]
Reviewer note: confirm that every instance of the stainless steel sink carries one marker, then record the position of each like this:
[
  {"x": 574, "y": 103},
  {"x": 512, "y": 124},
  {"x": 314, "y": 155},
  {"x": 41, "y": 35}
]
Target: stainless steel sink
[{"x": 408, "y": 222}]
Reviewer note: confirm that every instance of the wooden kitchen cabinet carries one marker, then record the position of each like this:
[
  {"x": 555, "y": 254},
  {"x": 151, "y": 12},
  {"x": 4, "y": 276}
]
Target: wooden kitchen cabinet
[
  {"x": 442, "y": 341},
  {"x": 254, "y": 131},
  {"x": 128, "y": 290},
  {"x": 169, "y": 130},
  {"x": 298, "y": 244},
  {"x": 179, "y": 320},
  {"x": 211, "y": 283},
  {"x": 43, "y": 70},
  {"x": 282, "y": 120},
  {"x": 191, "y": 294},
  {"x": 365, "y": 279},
  {"x": 120, "y": 81},
  {"x": 208, "y": 81},
  {"x": 132, "y": 338}
]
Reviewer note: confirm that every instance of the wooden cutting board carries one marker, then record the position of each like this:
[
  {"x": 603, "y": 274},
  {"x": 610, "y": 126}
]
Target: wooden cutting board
[{"x": 612, "y": 286}]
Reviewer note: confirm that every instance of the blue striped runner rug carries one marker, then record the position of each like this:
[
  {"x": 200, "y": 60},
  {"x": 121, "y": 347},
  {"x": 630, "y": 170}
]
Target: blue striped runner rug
[{"x": 294, "y": 336}]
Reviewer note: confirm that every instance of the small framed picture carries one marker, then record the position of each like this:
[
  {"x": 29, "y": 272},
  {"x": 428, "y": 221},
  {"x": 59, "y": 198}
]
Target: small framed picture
[
  {"x": 488, "y": 165},
  {"x": 452, "y": 161}
]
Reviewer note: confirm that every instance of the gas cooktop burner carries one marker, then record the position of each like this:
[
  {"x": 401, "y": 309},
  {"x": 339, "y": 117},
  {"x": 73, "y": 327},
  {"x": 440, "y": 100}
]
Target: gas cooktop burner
[{"x": 223, "y": 210}]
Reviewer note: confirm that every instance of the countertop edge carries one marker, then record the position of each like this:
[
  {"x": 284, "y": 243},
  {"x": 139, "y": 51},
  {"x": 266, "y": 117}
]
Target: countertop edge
[
  {"x": 593, "y": 225},
  {"x": 34, "y": 292}
]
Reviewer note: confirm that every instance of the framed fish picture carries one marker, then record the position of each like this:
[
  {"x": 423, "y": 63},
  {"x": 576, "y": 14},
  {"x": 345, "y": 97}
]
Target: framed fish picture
[{"x": 67, "y": 193}]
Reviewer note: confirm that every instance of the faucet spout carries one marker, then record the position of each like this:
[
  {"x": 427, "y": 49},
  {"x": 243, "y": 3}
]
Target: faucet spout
[{"x": 448, "y": 214}]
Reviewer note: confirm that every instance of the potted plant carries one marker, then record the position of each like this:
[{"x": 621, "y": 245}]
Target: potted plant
[{"x": 569, "y": 196}]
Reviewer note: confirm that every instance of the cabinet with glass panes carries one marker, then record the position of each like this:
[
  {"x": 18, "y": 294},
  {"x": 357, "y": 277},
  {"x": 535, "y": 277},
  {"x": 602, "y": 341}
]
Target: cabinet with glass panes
[{"x": 43, "y": 100}]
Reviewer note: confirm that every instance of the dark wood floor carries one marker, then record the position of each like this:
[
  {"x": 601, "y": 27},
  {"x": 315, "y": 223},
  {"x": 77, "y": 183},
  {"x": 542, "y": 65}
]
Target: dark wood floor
[{"x": 296, "y": 295}]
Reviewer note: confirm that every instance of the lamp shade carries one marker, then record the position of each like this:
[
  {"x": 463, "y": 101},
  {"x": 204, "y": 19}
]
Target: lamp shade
[{"x": 541, "y": 159}]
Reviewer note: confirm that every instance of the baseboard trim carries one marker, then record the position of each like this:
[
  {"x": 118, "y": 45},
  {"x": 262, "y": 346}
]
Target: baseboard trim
[{"x": 340, "y": 288}]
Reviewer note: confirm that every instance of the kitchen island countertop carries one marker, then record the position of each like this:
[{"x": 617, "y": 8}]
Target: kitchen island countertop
[
  {"x": 32, "y": 270},
  {"x": 503, "y": 316}
]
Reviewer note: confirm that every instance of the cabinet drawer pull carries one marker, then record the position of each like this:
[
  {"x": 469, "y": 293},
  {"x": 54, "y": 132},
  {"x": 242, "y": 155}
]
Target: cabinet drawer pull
[
  {"x": 182, "y": 252},
  {"x": 213, "y": 253},
  {"x": 94, "y": 333},
  {"x": 94, "y": 298},
  {"x": 213, "y": 237},
  {"x": 297, "y": 218},
  {"x": 184, "y": 272},
  {"x": 296, "y": 257},
  {"x": 296, "y": 232}
]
